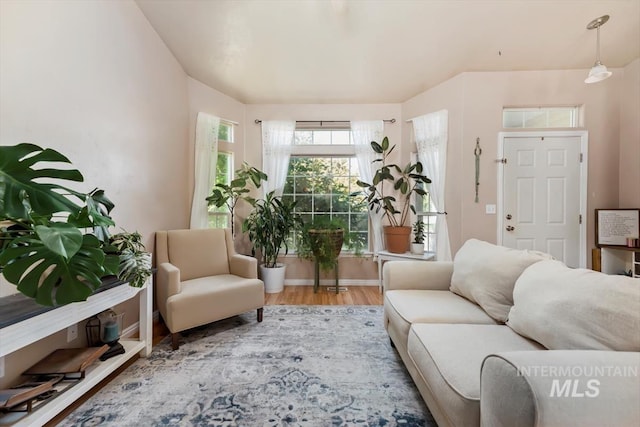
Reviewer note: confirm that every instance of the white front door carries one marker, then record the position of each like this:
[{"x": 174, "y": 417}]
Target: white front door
[{"x": 543, "y": 194}]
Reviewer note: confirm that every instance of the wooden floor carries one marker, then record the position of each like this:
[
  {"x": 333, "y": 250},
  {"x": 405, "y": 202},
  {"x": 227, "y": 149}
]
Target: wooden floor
[{"x": 303, "y": 295}]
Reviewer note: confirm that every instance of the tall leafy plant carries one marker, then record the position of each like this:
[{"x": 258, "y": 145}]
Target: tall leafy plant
[
  {"x": 53, "y": 239},
  {"x": 269, "y": 226},
  {"x": 238, "y": 189},
  {"x": 404, "y": 181}
]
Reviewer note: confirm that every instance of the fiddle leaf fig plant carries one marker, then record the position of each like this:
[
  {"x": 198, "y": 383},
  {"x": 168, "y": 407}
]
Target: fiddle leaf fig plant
[
  {"x": 54, "y": 241},
  {"x": 237, "y": 189}
]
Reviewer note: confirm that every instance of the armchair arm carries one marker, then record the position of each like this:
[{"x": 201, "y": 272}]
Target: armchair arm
[
  {"x": 560, "y": 388},
  {"x": 430, "y": 275},
  {"x": 168, "y": 282},
  {"x": 243, "y": 266}
]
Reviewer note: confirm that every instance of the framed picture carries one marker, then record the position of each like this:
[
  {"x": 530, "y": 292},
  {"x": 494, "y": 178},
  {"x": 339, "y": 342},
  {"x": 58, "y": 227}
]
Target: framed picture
[{"x": 615, "y": 226}]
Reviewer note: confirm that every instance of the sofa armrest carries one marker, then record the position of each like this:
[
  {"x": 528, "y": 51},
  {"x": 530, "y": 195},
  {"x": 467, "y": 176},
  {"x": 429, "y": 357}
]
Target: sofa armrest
[
  {"x": 243, "y": 266},
  {"x": 560, "y": 388},
  {"x": 429, "y": 275}
]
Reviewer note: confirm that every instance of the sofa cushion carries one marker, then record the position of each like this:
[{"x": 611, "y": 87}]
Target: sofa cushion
[
  {"x": 404, "y": 307},
  {"x": 565, "y": 308},
  {"x": 449, "y": 358},
  {"x": 485, "y": 274}
]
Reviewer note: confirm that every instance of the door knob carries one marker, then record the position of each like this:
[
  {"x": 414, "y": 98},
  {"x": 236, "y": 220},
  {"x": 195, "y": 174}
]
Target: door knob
[
  {"x": 509, "y": 216},
  {"x": 510, "y": 228}
]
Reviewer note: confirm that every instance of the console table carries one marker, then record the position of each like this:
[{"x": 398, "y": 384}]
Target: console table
[
  {"x": 28, "y": 330},
  {"x": 407, "y": 256}
]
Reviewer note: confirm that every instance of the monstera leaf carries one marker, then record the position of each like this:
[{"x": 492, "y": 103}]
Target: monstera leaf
[
  {"x": 43, "y": 268},
  {"x": 20, "y": 193},
  {"x": 95, "y": 214}
]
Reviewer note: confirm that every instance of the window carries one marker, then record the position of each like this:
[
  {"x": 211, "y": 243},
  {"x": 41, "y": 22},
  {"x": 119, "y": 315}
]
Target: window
[
  {"x": 220, "y": 217},
  {"x": 320, "y": 178},
  {"x": 540, "y": 117},
  {"x": 426, "y": 212}
]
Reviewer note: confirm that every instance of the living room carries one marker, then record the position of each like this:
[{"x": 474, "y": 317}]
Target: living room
[{"x": 96, "y": 81}]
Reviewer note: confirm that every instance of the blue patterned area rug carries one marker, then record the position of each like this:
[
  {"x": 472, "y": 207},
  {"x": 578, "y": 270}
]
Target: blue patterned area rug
[{"x": 303, "y": 366}]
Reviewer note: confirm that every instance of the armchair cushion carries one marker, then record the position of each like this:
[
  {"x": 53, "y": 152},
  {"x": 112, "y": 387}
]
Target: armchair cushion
[
  {"x": 212, "y": 298},
  {"x": 198, "y": 254}
]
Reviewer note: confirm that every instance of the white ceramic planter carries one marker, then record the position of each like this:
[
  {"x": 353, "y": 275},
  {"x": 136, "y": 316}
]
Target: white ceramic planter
[
  {"x": 417, "y": 248},
  {"x": 273, "y": 278}
]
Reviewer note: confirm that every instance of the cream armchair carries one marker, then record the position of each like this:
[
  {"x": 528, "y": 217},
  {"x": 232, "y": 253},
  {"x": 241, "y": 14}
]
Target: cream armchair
[{"x": 202, "y": 279}]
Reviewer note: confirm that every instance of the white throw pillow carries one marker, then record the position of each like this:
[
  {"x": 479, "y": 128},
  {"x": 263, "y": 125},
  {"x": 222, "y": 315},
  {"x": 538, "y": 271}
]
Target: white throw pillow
[
  {"x": 485, "y": 274},
  {"x": 564, "y": 308}
]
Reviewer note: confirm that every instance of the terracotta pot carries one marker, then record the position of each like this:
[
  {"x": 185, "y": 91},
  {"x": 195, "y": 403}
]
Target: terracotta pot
[{"x": 397, "y": 239}]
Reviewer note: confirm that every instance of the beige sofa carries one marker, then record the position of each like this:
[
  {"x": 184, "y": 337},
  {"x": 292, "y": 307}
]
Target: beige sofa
[{"x": 569, "y": 353}]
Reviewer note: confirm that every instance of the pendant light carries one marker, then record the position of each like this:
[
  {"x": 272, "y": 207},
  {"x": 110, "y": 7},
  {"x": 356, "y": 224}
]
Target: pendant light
[{"x": 598, "y": 72}]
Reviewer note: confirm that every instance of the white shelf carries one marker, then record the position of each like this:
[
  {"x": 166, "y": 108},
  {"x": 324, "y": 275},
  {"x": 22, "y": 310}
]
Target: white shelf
[
  {"x": 620, "y": 260},
  {"x": 31, "y": 330}
]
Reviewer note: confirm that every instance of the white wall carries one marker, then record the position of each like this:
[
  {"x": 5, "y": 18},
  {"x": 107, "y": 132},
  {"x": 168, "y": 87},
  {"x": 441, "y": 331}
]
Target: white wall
[
  {"x": 475, "y": 101},
  {"x": 629, "y": 173},
  {"x": 94, "y": 81}
]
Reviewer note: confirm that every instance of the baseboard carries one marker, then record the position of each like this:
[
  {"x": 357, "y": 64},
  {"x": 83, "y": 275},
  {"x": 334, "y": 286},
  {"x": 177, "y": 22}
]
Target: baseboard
[
  {"x": 134, "y": 328},
  {"x": 331, "y": 282}
]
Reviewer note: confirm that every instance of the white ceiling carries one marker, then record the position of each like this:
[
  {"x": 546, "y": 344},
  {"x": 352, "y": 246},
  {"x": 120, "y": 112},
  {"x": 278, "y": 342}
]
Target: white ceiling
[{"x": 379, "y": 51}]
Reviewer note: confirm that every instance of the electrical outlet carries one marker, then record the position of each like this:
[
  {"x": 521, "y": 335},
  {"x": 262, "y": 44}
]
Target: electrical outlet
[
  {"x": 490, "y": 209},
  {"x": 1, "y": 367},
  {"x": 72, "y": 333}
]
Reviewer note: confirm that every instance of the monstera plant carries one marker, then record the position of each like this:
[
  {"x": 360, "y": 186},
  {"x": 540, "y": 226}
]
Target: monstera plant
[{"x": 54, "y": 241}]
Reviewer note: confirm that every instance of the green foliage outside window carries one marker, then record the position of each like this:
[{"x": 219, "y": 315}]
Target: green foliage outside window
[{"x": 321, "y": 186}]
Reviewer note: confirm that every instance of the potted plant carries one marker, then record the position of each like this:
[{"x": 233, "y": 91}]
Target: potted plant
[
  {"x": 269, "y": 226},
  {"x": 405, "y": 182},
  {"x": 229, "y": 195},
  {"x": 54, "y": 241},
  {"x": 134, "y": 261},
  {"x": 417, "y": 245},
  {"x": 322, "y": 240}
]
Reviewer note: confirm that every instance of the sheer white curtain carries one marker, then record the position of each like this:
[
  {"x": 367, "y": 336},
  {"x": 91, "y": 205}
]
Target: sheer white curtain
[
  {"x": 205, "y": 167},
  {"x": 431, "y": 134},
  {"x": 363, "y": 132},
  {"x": 277, "y": 142}
]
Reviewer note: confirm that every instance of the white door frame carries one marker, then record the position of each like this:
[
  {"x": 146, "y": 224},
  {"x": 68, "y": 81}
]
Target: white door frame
[{"x": 584, "y": 143}]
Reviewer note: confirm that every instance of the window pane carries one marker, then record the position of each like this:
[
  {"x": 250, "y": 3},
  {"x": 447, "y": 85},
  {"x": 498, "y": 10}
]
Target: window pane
[
  {"x": 220, "y": 217},
  {"x": 540, "y": 117},
  {"x": 304, "y": 203},
  {"x": 321, "y": 137},
  {"x": 341, "y": 137},
  {"x": 326, "y": 191},
  {"x": 561, "y": 119},
  {"x": 535, "y": 119},
  {"x": 225, "y": 132},
  {"x": 303, "y": 137},
  {"x": 512, "y": 119},
  {"x": 219, "y": 220}
]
